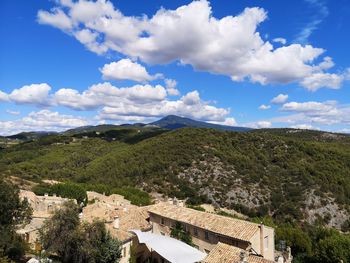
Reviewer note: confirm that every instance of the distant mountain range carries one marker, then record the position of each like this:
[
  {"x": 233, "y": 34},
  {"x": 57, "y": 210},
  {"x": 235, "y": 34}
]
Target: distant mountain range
[{"x": 170, "y": 122}]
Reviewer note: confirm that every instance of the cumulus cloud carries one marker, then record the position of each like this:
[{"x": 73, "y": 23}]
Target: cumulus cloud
[
  {"x": 190, "y": 34},
  {"x": 190, "y": 105},
  {"x": 259, "y": 124},
  {"x": 135, "y": 103},
  {"x": 279, "y": 99},
  {"x": 105, "y": 94},
  {"x": 312, "y": 108},
  {"x": 31, "y": 94},
  {"x": 127, "y": 69},
  {"x": 318, "y": 80},
  {"x": 3, "y": 96},
  {"x": 43, "y": 120},
  {"x": 313, "y": 112},
  {"x": 56, "y": 17},
  {"x": 171, "y": 87},
  {"x": 228, "y": 122},
  {"x": 264, "y": 107}
]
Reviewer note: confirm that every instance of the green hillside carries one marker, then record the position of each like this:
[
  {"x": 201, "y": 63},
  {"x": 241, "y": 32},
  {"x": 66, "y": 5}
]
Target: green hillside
[{"x": 292, "y": 176}]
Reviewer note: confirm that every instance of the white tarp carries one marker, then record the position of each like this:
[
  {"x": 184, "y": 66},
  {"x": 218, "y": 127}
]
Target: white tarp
[{"x": 170, "y": 248}]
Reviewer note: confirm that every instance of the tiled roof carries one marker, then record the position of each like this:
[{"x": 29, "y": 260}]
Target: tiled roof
[
  {"x": 223, "y": 253},
  {"x": 130, "y": 217},
  {"x": 235, "y": 228}
]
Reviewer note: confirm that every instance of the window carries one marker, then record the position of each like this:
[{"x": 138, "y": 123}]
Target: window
[
  {"x": 206, "y": 235},
  {"x": 195, "y": 231},
  {"x": 266, "y": 243},
  {"x": 162, "y": 221},
  {"x": 124, "y": 251}
]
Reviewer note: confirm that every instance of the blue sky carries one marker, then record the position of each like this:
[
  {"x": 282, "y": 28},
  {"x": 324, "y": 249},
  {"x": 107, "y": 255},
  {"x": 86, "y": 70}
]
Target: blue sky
[{"x": 248, "y": 63}]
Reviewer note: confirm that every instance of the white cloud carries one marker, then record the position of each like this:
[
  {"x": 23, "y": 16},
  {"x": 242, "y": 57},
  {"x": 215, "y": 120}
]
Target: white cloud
[
  {"x": 228, "y": 122},
  {"x": 190, "y": 34},
  {"x": 127, "y": 69},
  {"x": 138, "y": 102},
  {"x": 264, "y": 107},
  {"x": 189, "y": 105},
  {"x": 280, "y": 40},
  {"x": 325, "y": 80},
  {"x": 312, "y": 112},
  {"x": 3, "y": 96},
  {"x": 31, "y": 94},
  {"x": 279, "y": 99},
  {"x": 43, "y": 120},
  {"x": 303, "y": 127},
  {"x": 258, "y": 124},
  {"x": 12, "y": 112},
  {"x": 264, "y": 124},
  {"x": 56, "y": 17},
  {"x": 105, "y": 94},
  {"x": 312, "y": 108},
  {"x": 171, "y": 87}
]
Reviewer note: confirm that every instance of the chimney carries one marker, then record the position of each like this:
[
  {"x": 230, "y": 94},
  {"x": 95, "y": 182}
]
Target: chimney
[
  {"x": 261, "y": 226},
  {"x": 175, "y": 202},
  {"x": 54, "y": 195},
  {"x": 46, "y": 194},
  {"x": 243, "y": 257},
  {"x": 81, "y": 215},
  {"x": 116, "y": 222}
]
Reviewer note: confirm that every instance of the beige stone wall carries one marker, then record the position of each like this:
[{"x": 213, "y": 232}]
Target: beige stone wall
[
  {"x": 126, "y": 252},
  {"x": 261, "y": 239},
  {"x": 203, "y": 240}
]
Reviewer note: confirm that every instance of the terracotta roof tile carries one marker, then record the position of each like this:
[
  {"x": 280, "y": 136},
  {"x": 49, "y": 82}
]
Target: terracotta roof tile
[
  {"x": 223, "y": 253},
  {"x": 130, "y": 217},
  {"x": 235, "y": 228}
]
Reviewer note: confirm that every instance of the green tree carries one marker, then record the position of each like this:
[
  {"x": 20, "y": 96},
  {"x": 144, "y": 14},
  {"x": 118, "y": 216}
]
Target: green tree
[
  {"x": 295, "y": 237},
  {"x": 73, "y": 242},
  {"x": 179, "y": 232},
  {"x": 13, "y": 212},
  {"x": 133, "y": 251},
  {"x": 59, "y": 234},
  {"x": 103, "y": 247},
  {"x": 333, "y": 248}
]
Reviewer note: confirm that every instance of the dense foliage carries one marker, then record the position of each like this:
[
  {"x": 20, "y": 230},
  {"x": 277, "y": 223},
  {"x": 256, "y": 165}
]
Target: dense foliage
[
  {"x": 281, "y": 166},
  {"x": 13, "y": 211},
  {"x": 179, "y": 232},
  {"x": 73, "y": 242},
  {"x": 310, "y": 243},
  {"x": 287, "y": 172},
  {"x": 67, "y": 190}
]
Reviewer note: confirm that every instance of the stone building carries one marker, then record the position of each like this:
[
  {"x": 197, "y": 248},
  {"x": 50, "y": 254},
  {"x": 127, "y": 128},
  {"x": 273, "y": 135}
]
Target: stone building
[
  {"x": 43, "y": 208},
  {"x": 119, "y": 217},
  {"x": 208, "y": 229}
]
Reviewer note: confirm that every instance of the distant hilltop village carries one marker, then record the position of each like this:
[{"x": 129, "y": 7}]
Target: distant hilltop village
[{"x": 215, "y": 238}]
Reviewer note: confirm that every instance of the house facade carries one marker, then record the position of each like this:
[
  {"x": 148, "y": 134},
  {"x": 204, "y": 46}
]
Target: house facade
[{"x": 208, "y": 229}]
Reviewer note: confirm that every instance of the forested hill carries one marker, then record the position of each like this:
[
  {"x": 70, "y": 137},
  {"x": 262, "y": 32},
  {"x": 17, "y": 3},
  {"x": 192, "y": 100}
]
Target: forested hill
[{"x": 288, "y": 174}]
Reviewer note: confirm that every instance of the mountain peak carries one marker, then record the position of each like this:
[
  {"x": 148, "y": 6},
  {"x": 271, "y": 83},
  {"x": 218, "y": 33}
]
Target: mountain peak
[{"x": 175, "y": 122}]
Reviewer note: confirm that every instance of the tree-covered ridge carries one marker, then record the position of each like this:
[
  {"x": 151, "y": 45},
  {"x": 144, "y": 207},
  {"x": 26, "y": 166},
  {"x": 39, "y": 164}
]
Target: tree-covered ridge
[{"x": 278, "y": 173}]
